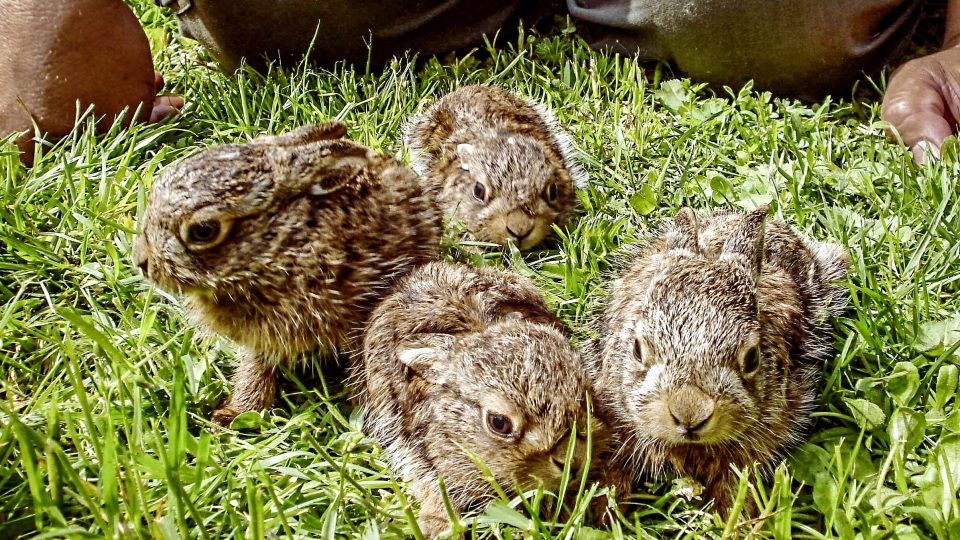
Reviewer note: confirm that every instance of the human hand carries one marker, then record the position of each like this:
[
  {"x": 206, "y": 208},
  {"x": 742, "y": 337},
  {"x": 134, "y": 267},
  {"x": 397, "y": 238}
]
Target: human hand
[
  {"x": 164, "y": 105},
  {"x": 923, "y": 101}
]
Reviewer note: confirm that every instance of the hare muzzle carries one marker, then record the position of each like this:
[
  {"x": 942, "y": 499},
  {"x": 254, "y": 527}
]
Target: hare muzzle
[
  {"x": 141, "y": 254},
  {"x": 519, "y": 226},
  {"x": 559, "y": 457},
  {"x": 691, "y": 410}
]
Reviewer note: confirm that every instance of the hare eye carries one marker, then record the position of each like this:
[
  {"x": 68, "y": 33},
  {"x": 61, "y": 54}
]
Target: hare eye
[
  {"x": 751, "y": 361},
  {"x": 203, "y": 232},
  {"x": 638, "y": 349},
  {"x": 552, "y": 193},
  {"x": 499, "y": 424},
  {"x": 480, "y": 191}
]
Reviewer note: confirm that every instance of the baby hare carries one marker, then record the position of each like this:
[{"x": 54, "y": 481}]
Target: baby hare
[
  {"x": 284, "y": 245},
  {"x": 710, "y": 346},
  {"x": 499, "y": 164},
  {"x": 462, "y": 362}
]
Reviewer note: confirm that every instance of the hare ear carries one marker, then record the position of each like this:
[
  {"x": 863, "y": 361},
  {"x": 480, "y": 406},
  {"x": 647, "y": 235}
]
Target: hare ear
[
  {"x": 427, "y": 356},
  {"x": 321, "y": 167},
  {"x": 464, "y": 149},
  {"x": 685, "y": 232},
  {"x": 431, "y": 129},
  {"x": 746, "y": 242},
  {"x": 242, "y": 176},
  {"x": 326, "y": 131}
]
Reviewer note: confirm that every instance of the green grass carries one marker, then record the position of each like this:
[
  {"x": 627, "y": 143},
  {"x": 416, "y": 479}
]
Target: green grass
[{"x": 106, "y": 390}]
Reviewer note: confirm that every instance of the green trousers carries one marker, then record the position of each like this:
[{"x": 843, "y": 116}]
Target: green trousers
[{"x": 802, "y": 48}]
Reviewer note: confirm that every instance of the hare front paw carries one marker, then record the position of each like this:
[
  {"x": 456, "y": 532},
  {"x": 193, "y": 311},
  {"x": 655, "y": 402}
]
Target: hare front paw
[{"x": 225, "y": 413}]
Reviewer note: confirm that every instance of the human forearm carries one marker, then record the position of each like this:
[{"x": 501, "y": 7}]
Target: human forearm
[{"x": 951, "y": 36}]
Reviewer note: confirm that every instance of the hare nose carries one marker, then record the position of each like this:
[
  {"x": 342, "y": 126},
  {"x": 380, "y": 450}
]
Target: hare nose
[
  {"x": 559, "y": 463},
  {"x": 691, "y": 409},
  {"x": 521, "y": 232},
  {"x": 519, "y": 225},
  {"x": 558, "y": 455},
  {"x": 140, "y": 255}
]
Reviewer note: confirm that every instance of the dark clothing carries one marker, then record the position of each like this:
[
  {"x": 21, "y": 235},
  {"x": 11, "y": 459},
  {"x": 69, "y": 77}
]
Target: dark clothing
[
  {"x": 794, "y": 47},
  {"x": 284, "y": 29}
]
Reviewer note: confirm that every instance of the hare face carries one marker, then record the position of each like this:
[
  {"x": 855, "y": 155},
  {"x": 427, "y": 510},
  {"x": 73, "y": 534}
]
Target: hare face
[
  {"x": 509, "y": 396},
  {"x": 691, "y": 358},
  {"x": 506, "y": 190}
]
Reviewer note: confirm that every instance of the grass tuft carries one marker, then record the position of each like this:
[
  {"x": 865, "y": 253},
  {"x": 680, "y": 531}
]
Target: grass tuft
[{"x": 106, "y": 390}]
